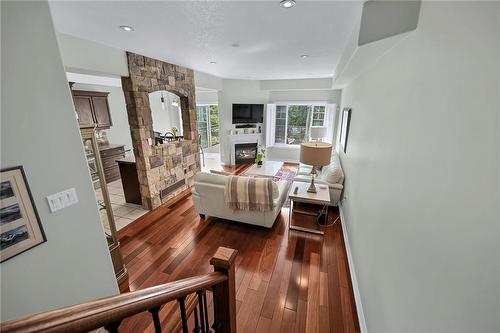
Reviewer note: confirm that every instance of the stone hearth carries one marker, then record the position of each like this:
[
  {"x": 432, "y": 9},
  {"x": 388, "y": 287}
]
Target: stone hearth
[{"x": 161, "y": 166}]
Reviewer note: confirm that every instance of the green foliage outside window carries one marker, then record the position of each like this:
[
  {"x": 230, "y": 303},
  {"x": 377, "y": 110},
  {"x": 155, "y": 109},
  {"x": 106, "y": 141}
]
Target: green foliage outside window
[
  {"x": 293, "y": 122},
  {"x": 298, "y": 119},
  {"x": 208, "y": 124},
  {"x": 213, "y": 111}
]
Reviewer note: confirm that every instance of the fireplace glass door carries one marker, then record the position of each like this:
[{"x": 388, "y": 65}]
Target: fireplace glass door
[{"x": 245, "y": 152}]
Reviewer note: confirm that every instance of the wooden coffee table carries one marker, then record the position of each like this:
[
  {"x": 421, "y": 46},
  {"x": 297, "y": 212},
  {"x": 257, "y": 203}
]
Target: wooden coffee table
[
  {"x": 322, "y": 198},
  {"x": 267, "y": 169}
]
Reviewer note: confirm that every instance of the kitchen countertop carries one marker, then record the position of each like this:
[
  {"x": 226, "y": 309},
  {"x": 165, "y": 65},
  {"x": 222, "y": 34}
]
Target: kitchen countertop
[
  {"x": 110, "y": 146},
  {"x": 130, "y": 159}
]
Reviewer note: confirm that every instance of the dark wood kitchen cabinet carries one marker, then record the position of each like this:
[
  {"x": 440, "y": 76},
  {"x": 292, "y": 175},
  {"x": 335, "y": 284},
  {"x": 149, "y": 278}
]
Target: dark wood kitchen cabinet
[
  {"x": 109, "y": 154},
  {"x": 92, "y": 108}
]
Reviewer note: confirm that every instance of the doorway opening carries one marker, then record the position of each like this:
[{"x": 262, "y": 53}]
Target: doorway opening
[{"x": 207, "y": 116}]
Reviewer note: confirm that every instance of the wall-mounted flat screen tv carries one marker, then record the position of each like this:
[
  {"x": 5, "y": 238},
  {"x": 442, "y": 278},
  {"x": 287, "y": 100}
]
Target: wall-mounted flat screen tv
[{"x": 248, "y": 113}]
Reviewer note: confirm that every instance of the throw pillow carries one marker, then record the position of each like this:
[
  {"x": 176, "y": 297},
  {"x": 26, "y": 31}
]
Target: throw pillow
[{"x": 331, "y": 174}]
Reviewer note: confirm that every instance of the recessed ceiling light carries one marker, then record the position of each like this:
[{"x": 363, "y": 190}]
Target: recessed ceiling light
[
  {"x": 287, "y": 3},
  {"x": 126, "y": 28},
  {"x": 304, "y": 56},
  {"x": 235, "y": 45},
  {"x": 213, "y": 62}
]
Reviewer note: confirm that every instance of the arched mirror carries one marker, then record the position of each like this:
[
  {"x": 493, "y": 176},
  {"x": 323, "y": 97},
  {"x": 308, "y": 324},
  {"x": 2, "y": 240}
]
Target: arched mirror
[{"x": 167, "y": 116}]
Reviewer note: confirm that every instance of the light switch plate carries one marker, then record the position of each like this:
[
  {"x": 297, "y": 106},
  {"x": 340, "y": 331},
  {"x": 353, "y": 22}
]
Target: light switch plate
[
  {"x": 58, "y": 201},
  {"x": 54, "y": 202}
]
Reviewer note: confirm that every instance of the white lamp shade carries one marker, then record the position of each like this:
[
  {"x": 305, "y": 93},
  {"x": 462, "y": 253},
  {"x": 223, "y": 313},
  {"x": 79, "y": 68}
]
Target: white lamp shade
[
  {"x": 315, "y": 153},
  {"x": 318, "y": 132}
]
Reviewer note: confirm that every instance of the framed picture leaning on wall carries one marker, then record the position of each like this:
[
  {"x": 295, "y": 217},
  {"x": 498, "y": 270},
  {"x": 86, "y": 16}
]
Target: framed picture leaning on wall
[
  {"x": 344, "y": 128},
  {"x": 20, "y": 227}
]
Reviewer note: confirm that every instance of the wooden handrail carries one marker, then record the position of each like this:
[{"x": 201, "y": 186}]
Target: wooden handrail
[
  {"x": 225, "y": 293},
  {"x": 111, "y": 310}
]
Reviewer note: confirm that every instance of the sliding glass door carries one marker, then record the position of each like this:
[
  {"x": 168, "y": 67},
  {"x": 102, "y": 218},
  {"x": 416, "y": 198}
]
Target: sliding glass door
[
  {"x": 213, "y": 111},
  {"x": 201, "y": 117},
  {"x": 208, "y": 124}
]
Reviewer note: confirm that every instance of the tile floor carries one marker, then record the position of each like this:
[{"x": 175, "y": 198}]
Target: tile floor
[
  {"x": 124, "y": 213},
  {"x": 210, "y": 160}
]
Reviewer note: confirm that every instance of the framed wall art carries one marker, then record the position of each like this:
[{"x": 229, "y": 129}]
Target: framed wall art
[
  {"x": 20, "y": 227},
  {"x": 344, "y": 128}
]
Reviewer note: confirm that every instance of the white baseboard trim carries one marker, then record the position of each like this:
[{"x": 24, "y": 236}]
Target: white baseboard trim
[{"x": 354, "y": 280}]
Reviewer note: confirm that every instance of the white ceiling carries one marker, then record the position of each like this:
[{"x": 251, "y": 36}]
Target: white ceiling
[{"x": 192, "y": 34}]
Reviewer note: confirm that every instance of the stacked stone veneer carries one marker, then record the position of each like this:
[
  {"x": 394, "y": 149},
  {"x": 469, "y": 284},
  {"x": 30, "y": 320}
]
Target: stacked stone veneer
[{"x": 161, "y": 166}]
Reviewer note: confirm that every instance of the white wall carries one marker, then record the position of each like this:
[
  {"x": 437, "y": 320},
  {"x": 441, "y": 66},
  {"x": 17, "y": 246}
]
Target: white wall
[
  {"x": 39, "y": 131},
  {"x": 236, "y": 91},
  {"x": 328, "y": 96},
  {"x": 84, "y": 56},
  {"x": 207, "y": 81},
  {"x": 422, "y": 175},
  {"x": 119, "y": 133},
  {"x": 207, "y": 97}
]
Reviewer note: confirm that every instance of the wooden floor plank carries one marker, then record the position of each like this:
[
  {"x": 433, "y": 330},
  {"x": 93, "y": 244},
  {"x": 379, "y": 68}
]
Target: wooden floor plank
[
  {"x": 272, "y": 295},
  {"x": 288, "y": 321},
  {"x": 292, "y": 297},
  {"x": 313, "y": 297},
  {"x": 286, "y": 281}
]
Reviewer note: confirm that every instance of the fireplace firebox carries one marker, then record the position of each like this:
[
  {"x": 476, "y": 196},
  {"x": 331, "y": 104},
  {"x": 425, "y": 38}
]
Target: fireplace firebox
[{"x": 245, "y": 152}]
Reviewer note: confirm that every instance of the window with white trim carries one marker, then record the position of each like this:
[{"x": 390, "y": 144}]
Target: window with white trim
[
  {"x": 318, "y": 118},
  {"x": 290, "y": 124}
]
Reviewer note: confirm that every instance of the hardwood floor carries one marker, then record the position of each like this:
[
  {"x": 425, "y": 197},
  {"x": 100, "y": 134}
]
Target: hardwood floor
[{"x": 287, "y": 281}]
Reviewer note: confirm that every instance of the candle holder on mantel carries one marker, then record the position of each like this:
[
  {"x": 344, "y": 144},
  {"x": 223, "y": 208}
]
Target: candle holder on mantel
[{"x": 106, "y": 213}]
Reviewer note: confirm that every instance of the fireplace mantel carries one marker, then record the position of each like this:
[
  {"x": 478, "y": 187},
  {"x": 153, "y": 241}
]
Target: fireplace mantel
[{"x": 243, "y": 138}]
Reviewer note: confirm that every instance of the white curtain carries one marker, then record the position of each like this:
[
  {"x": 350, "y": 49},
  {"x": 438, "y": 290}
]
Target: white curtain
[
  {"x": 270, "y": 124},
  {"x": 331, "y": 109}
]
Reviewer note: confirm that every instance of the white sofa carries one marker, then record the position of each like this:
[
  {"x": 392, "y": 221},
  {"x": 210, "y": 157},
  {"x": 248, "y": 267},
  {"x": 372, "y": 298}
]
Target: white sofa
[
  {"x": 208, "y": 198},
  {"x": 330, "y": 175}
]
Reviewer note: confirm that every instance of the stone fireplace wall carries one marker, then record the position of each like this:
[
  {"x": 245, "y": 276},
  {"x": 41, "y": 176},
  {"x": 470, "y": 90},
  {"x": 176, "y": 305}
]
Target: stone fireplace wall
[{"x": 168, "y": 169}]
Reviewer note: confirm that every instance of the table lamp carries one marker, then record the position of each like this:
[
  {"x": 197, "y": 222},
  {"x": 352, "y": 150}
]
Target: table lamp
[
  {"x": 318, "y": 133},
  {"x": 315, "y": 154}
]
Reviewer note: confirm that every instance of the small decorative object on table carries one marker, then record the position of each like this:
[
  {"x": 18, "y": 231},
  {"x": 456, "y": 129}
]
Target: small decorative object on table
[
  {"x": 174, "y": 132},
  {"x": 20, "y": 227},
  {"x": 260, "y": 156},
  {"x": 315, "y": 154}
]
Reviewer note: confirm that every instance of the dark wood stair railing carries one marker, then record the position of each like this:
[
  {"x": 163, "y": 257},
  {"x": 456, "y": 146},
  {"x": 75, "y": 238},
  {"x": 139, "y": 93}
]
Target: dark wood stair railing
[{"x": 109, "y": 312}]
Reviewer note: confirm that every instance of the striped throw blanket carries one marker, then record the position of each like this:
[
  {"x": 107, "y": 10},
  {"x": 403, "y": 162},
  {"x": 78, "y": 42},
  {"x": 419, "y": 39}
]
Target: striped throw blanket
[{"x": 251, "y": 194}]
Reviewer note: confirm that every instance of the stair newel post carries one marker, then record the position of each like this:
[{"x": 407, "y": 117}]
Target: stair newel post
[{"x": 224, "y": 293}]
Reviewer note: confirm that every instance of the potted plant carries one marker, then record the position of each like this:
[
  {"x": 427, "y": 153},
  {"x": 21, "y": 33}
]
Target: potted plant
[{"x": 261, "y": 153}]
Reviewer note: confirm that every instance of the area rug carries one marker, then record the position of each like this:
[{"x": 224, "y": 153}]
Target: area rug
[{"x": 284, "y": 174}]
